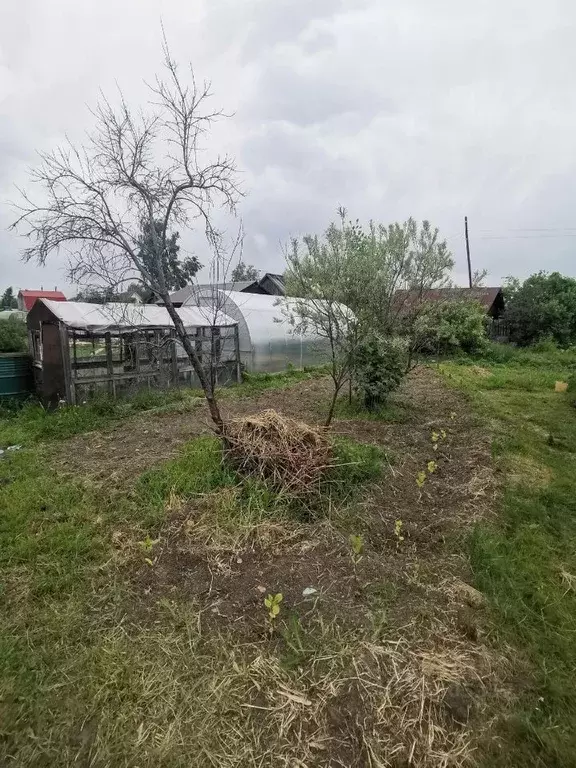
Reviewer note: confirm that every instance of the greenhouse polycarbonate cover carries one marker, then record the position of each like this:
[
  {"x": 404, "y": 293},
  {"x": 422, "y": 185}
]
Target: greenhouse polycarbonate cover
[
  {"x": 267, "y": 317},
  {"x": 100, "y": 318}
]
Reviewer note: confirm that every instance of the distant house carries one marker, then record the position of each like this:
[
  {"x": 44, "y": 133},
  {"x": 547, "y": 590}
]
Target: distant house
[
  {"x": 273, "y": 284},
  {"x": 492, "y": 299},
  {"x": 269, "y": 284},
  {"x": 26, "y": 299}
]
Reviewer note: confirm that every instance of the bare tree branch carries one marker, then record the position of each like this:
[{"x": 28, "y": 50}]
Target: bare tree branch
[{"x": 136, "y": 167}]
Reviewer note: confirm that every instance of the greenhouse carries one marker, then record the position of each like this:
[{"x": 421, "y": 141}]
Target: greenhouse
[
  {"x": 268, "y": 340},
  {"x": 82, "y": 349}
]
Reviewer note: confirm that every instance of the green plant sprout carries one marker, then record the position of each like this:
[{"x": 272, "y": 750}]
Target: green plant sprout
[
  {"x": 436, "y": 436},
  {"x": 272, "y": 603},
  {"x": 357, "y": 544},
  {"x": 432, "y": 467},
  {"x": 148, "y": 543},
  {"x": 420, "y": 479},
  {"x": 147, "y": 546}
]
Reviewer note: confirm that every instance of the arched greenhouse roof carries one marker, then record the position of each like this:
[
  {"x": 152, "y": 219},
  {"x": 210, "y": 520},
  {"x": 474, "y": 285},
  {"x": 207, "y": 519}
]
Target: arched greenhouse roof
[{"x": 267, "y": 338}]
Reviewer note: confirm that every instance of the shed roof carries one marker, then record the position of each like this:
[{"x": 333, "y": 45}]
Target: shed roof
[
  {"x": 485, "y": 296},
  {"x": 29, "y": 297},
  {"x": 100, "y": 318}
]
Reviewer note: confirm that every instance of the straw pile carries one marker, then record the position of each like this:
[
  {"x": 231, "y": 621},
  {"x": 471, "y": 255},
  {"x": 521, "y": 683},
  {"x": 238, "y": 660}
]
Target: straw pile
[{"x": 289, "y": 455}]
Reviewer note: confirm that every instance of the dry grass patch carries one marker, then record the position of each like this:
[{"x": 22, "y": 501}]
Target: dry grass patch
[
  {"x": 171, "y": 693},
  {"x": 289, "y": 455},
  {"x": 525, "y": 470}
]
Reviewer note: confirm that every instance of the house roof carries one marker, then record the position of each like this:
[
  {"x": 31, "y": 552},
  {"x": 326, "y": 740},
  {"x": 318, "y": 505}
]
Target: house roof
[
  {"x": 100, "y": 318},
  {"x": 29, "y": 297},
  {"x": 278, "y": 281},
  {"x": 485, "y": 296},
  {"x": 181, "y": 296}
]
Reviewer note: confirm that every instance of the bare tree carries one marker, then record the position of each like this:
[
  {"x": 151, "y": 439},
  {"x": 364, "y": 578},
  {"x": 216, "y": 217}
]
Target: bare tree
[{"x": 138, "y": 168}]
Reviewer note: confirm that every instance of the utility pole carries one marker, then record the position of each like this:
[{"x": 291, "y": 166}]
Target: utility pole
[{"x": 468, "y": 251}]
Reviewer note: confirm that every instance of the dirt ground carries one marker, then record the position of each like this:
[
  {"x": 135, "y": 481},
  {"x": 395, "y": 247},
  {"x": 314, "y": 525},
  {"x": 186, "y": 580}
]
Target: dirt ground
[
  {"x": 130, "y": 447},
  {"x": 412, "y": 569},
  {"x": 458, "y": 492}
]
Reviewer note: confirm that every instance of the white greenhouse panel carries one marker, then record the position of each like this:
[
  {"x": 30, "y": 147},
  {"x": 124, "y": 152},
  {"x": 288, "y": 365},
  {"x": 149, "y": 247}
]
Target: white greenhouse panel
[{"x": 267, "y": 339}]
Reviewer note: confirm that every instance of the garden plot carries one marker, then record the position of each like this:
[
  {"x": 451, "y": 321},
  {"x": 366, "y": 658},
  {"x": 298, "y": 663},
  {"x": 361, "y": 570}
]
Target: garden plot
[{"x": 174, "y": 616}]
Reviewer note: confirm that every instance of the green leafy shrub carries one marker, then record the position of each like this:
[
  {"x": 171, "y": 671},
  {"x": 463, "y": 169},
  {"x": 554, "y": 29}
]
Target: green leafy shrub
[
  {"x": 542, "y": 307},
  {"x": 378, "y": 369},
  {"x": 450, "y": 327},
  {"x": 13, "y": 335}
]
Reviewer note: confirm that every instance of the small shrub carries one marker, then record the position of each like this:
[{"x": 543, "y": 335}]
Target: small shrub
[
  {"x": 13, "y": 335},
  {"x": 379, "y": 367},
  {"x": 451, "y": 327},
  {"x": 499, "y": 353}
]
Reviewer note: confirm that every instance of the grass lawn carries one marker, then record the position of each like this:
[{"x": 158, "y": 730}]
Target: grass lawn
[
  {"x": 524, "y": 560},
  {"x": 134, "y": 569}
]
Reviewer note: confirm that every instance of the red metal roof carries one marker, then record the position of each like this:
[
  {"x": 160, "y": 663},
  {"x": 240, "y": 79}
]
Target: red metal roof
[{"x": 29, "y": 297}]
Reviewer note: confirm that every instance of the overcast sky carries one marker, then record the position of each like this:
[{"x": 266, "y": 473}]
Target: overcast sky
[{"x": 394, "y": 108}]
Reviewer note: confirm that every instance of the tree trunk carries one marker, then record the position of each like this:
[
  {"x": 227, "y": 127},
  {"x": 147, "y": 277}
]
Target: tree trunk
[
  {"x": 332, "y": 406},
  {"x": 205, "y": 381}
]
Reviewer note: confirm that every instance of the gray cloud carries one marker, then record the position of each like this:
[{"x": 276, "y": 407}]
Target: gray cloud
[{"x": 434, "y": 110}]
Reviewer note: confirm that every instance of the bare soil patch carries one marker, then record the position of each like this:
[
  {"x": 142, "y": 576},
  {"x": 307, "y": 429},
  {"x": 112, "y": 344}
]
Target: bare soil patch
[{"x": 119, "y": 454}]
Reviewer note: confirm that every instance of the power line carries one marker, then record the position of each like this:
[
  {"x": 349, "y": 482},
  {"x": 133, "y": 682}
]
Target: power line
[
  {"x": 529, "y": 229},
  {"x": 526, "y": 237}
]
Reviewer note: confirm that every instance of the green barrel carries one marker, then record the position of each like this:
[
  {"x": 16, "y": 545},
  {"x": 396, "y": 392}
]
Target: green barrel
[{"x": 16, "y": 379}]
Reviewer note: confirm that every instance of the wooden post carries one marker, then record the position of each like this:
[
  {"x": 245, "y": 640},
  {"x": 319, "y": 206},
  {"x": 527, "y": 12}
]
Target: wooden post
[
  {"x": 468, "y": 251},
  {"x": 136, "y": 348},
  {"x": 237, "y": 353},
  {"x": 110, "y": 364},
  {"x": 70, "y": 392},
  {"x": 174, "y": 351}
]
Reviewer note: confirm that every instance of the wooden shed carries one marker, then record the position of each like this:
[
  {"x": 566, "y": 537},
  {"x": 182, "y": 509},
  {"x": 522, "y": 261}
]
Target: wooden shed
[{"x": 80, "y": 349}]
